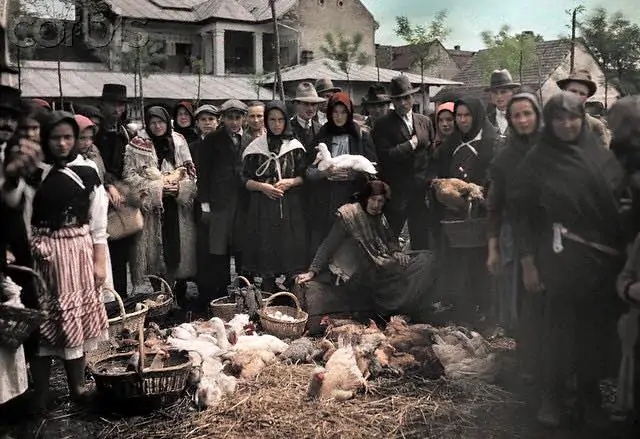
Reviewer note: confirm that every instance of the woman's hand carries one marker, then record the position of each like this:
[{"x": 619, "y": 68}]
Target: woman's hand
[
  {"x": 402, "y": 258},
  {"x": 305, "y": 277},
  {"x": 493, "y": 259},
  {"x": 271, "y": 191},
  {"x": 285, "y": 184},
  {"x": 530, "y": 276},
  {"x": 115, "y": 197},
  {"x": 99, "y": 264},
  {"x": 170, "y": 189},
  {"x": 99, "y": 274}
]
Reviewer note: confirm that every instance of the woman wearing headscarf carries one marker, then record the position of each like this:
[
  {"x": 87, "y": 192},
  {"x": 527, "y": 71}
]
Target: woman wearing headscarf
[
  {"x": 159, "y": 169},
  {"x": 332, "y": 188},
  {"x": 362, "y": 256},
  {"x": 273, "y": 166},
  {"x": 184, "y": 122},
  {"x": 445, "y": 123},
  {"x": 564, "y": 208},
  {"x": 524, "y": 116},
  {"x": 69, "y": 240},
  {"x": 465, "y": 155}
]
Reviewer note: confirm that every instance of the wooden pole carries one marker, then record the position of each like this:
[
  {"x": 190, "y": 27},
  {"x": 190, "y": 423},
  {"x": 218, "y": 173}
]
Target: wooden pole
[
  {"x": 276, "y": 34},
  {"x": 574, "y": 19}
]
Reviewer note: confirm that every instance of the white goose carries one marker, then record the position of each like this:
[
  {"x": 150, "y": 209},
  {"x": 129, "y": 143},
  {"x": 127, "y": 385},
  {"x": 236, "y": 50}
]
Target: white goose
[{"x": 345, "y": 161}]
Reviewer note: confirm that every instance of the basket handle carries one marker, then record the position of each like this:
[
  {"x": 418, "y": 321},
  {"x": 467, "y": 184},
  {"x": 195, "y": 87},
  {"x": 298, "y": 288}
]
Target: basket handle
[
  {"x": 39, "y": 280},
  {"x": 164, "y": 283},
  {"x": 123, "y": 312},
  {"x": 245, "y": 280},
  {"x": 141, "y": 349},
  {"x": 284, "y": 294}
]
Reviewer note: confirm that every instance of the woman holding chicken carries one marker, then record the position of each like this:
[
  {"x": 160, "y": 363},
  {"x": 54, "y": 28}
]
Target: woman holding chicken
[
  {"x": 273, "y": 166},
  {"x": 158, "y": 166}
]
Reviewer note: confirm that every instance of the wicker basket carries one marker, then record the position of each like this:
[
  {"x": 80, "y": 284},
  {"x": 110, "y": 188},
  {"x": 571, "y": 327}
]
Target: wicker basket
[
  {"x": 17, "y": 324},
  {"x": 162, "y": 309},
  {"x": 160, "y": 386},
  {"x": 466, "y": 233},
  {"x": 279, "y": 328},
  {"x": 132, "y": 322},
  {"x": 225, "y": 307}
]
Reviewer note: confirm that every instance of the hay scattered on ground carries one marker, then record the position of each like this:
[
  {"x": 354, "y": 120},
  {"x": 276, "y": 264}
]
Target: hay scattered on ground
[{"x": 274, "y": 406}]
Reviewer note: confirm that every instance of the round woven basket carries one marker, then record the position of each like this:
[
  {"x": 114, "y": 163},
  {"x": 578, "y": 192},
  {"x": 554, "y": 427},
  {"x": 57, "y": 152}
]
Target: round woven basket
[
  {"x": 17, "y": 324},
  {"x": 470, "y": 232},
  {"x": 279, "y": 328},
  {"x": 162, "y": 309},
  {"x": 162, "y": 386},
  {"x": 224, "y": 308},
  {"x": 132, "y": 322}
]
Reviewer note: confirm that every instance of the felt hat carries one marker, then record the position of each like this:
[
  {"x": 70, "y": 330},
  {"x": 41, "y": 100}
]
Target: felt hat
[
  {"x": 10, "y": 98},
  {"x": 376, "y": 94},
  {"x": 324, "y": 85},
  {"x": 401, "y": 86},
  {"x": 582, "y": 77},
  {"x": 306, "y": 92},
  {"x": 501, "y": 79},
  {"x": 114, "y": 93}
]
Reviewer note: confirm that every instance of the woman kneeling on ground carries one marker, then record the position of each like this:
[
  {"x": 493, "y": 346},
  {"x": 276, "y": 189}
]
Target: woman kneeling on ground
[{"x": 362, "y": 254}]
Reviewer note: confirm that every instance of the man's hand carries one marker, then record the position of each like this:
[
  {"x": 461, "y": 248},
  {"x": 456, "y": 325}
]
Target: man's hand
[
  {"x": 23, "y": 159},
  {"x": 402, "y": 258},
  {"x": 170, "y": 189}
]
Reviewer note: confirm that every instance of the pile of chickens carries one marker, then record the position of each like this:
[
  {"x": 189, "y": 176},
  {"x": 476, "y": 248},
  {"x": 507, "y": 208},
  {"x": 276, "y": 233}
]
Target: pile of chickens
[{"x": 349, "y": 354}]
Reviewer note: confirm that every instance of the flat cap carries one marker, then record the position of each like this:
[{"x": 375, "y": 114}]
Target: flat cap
[
  {"x": 207, "y": 109},
  {"x": 233, "y": 105}
]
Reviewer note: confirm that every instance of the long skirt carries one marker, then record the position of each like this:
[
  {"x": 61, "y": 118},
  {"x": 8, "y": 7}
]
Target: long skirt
[
  {"x": 275, "y": 235},
  {"x": 508, "y": 281},
  {"x": 405, "y": 290},
  {"x": 76, "y": 317}
]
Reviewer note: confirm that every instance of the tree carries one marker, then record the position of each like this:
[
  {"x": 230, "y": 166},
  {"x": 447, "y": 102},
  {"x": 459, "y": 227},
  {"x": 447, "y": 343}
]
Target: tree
[
  {"x": 276, "y": 33},
  {"x": 345, "y": 52},
  {"x": 504, "y": 50},
  {"x": 421, "y": 38},
  {"x": 615, "y": 43}
]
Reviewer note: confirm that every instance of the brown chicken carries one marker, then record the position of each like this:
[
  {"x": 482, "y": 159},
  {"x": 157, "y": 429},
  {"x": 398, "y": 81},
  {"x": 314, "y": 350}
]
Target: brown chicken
[
  {"x": 455, "y": 193},
  {"x": 159, "y": 360},
  {"x": 355, "y": 332},
  {"x": 248, "y": 364},
  {"x": 175, "y": 176}
]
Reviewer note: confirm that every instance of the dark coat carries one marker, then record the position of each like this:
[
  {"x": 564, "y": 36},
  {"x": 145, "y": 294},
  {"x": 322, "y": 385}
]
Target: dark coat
[
  {"x": 112, "y": 145},
  {"x": 402, "y": 167},
  {"x": 219, "y": 184},
  {"x": 306, "y": 137}
]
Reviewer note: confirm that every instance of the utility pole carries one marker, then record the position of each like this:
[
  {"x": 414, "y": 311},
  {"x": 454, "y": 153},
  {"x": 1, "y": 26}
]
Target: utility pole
[{"x": 276, "y": 34}]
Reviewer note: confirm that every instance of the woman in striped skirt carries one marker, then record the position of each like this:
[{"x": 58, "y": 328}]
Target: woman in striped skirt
[{"x": 68, "y": 243}]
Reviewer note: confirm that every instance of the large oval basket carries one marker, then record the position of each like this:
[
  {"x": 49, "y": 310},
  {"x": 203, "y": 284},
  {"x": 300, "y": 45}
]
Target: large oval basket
[
  {"x": 17, "y": 324},
  {"x": 279, "y": 328}
]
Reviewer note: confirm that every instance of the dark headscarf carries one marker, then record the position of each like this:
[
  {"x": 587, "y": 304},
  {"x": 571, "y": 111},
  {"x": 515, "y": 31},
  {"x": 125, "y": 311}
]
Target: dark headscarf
[
  {"x": 517, "y": 145},
  {"x": 165, "y": 150},
  {"x": 275, "y": 141},
  {"x": 341, "y": 98},
  {"x": 54, "y": 119},
  {"x": 89, "y": 111},
  {"x": 558, "y": 104},
  {"x": 188, "y": 132},
  {"x": 479, "y": 119}
]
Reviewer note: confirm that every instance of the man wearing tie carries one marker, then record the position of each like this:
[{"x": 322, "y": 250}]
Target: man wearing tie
[{"x": 402, "y": 140}]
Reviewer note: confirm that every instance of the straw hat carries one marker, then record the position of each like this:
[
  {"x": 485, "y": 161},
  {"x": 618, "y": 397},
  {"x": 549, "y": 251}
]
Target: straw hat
[
  {"x": 582, "y": 77},
  {"x": 306, "y": 92}
]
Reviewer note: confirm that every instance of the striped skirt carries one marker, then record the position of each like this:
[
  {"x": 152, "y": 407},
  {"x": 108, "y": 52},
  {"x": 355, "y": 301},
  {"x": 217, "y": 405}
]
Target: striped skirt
[{"x": 76, "y": 318}]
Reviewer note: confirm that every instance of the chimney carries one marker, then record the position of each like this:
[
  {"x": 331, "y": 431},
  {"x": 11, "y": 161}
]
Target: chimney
[
  {"x": 456, "y": 47},
  {"x": 307, "y": 56},
  {"x": 528, "y": 33}
]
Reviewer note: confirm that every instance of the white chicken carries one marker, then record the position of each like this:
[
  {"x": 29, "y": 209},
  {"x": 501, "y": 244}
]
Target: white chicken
[
  {"x": 264, "y": 342},
  {"x": 346, "y": 161},
  {"x": 214, "y": 384}
]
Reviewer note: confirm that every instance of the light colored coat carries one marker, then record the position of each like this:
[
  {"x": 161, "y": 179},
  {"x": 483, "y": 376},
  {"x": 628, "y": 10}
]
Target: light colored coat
[{"x": 148, "y": 251}]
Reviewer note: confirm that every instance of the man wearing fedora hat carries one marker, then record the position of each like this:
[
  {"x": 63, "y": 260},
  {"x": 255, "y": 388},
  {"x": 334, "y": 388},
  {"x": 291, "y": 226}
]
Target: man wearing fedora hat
[
  {"x": 111, "y": 140},
  {"x": 220, "y": 194},
  {"x": 376, "y": 104},
  {"x": 325, "y": 89},
  {"x": 402, "y": 140},
  {"x": 501, "y": 88},
  {"x": 580, "y": 84},
  {"x": 303, "y": 124}
]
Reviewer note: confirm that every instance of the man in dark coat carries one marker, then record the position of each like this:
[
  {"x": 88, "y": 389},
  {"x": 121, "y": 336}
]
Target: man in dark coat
[
  {"x": 111, "y": 140},
  {"x": 303, "y": 124},
  {"x": 402, "y": 140},
  {"x": 501, "y": 88},
  {"x": 376, "y": 104},
  {"x": 219, "y": 191}
]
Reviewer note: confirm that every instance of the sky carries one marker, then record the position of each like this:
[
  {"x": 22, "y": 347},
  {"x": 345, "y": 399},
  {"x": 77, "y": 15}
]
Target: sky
[{"x": 468, "y": 18}]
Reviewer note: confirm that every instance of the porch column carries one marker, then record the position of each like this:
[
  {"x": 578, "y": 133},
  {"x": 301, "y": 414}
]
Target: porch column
[
  {"x": 218, "y": 52},
  {"x": 257, "y": 53},
  {"x": 207, "y": 52}
]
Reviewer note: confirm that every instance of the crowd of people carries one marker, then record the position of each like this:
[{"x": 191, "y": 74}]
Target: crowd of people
[{"x": 87, "y": 202}]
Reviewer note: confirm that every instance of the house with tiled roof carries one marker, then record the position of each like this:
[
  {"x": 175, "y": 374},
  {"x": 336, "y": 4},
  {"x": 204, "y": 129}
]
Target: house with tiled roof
[
  {"x": 551, "y": 63},
  {"x": 406, "y": 59}
]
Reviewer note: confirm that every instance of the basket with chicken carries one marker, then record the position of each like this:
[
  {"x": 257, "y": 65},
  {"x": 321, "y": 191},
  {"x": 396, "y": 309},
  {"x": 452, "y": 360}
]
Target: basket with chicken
[
  {"x": 283, "y": 321},
  {"x": 464, "y": 197},
  {"x": 243, "y": 298},
  {"x": 159, "y": 302},
  {"x": 142, "y": 378},
  {"x": 130, "y": 321}
]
